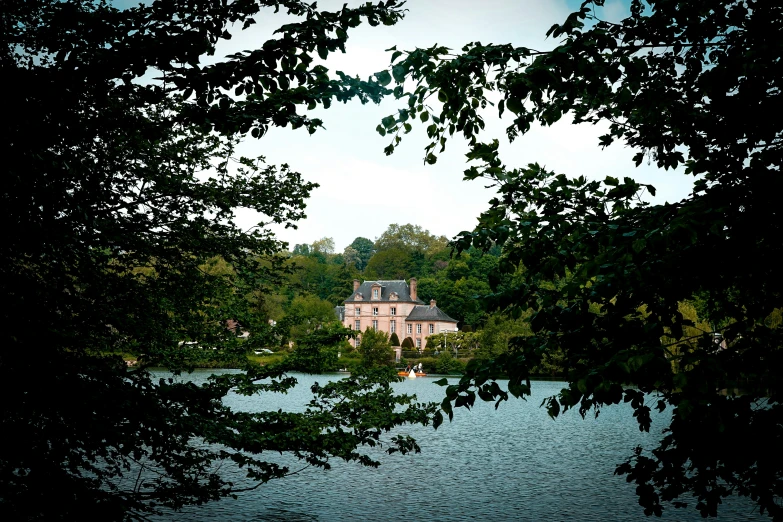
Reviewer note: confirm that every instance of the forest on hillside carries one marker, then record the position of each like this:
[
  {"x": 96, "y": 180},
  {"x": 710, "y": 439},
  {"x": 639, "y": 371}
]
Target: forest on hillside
[
  {"x": 320, "y": 278},
  {"x": 467, "y": 285}
]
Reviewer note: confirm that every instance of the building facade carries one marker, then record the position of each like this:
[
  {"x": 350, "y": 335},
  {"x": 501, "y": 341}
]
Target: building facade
[{"x": 393, "y": 307}]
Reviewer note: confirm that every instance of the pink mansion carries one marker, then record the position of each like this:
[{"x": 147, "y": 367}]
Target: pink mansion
[{"x": 393, "y": 307}]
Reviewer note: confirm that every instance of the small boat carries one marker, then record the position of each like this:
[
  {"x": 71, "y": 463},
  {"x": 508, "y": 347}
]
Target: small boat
[{"x": 412, "y": 374}]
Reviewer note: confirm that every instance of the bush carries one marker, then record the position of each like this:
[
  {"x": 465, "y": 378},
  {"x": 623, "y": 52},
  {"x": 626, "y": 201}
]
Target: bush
[
  {"x": 407, "y": 343},
  {"x": 428, "y": 364},
  {"x": 351, "y": 362},
  {"x": 446, "y": 363},
  {"x": 394, "y": 340}
]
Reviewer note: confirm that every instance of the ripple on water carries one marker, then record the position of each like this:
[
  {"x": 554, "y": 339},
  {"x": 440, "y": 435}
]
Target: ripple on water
[{"x": 511, "y": 464}]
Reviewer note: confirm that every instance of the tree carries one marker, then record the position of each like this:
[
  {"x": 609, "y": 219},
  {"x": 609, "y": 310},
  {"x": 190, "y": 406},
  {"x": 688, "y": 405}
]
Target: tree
[
  {"x": 318, "y": 275},
  {"x": 325, "y": 245},
  {"x": 410, "y": 238},
  {"x": 375, "y": 349},
  {"x": 317, "y": 352},
  {"x": 457, "y": 298},
  {"x": 306, "y": 314},
  {"x": 605, "y": 272},
  {"x": 394, "y": 339},
  {"x": 389, "y": 264},
  {"x": 301, "y": 249},
  {"x": 121, "y": 183},
  {"x": 364, "y": 249},
  {"x": 407, "y": 344}
]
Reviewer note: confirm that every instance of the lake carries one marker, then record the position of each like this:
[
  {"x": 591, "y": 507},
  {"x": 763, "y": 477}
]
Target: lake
[{"x": 511, "y": 464}]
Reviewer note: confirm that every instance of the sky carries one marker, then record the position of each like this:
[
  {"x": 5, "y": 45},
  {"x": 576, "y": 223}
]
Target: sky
[{"x": 362, "y": 191}]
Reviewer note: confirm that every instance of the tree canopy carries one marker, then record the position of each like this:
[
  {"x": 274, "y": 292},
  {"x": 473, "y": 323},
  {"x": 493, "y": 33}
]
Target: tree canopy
[
  {"x": 121, "y": 183},
  {"x": 409, "y": 238},
  {"x": 375, "y": 349},
  {"x": 604, "y": 273},
  {"x": 362, "y": 250}
]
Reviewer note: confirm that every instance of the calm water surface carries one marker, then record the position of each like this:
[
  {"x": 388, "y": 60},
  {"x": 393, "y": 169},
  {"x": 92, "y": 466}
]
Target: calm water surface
[{"x": 511, "y": 464}]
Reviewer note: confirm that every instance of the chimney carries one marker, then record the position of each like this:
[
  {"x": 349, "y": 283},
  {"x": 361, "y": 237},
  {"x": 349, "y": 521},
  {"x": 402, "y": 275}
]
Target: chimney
[
  {"x": 432, "y": 303},
  {"x": 356, "y": 284},
  {"x": 413, "y": 288}
]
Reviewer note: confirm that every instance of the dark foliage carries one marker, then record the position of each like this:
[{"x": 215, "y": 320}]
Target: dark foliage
[
  {"x": 684, "y": 83},
  {"x": 120, "y": 189}
]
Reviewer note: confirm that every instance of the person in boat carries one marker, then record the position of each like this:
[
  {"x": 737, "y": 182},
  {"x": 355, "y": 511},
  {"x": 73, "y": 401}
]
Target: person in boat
[
  {"x": 418, "y": 369},
  {"x": 408, "y": 369}
]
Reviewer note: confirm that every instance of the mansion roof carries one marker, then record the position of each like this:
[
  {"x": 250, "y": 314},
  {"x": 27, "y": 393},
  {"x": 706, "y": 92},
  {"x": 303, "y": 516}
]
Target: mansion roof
[
  {"x": 390, "y": 291},
  {"x": 429, "y": 313}
]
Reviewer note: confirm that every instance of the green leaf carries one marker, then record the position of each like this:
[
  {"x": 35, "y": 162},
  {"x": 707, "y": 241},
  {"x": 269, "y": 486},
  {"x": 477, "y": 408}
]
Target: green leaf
[
  {"x": 399, "y": 71},
  {"x": 514, "y": 105},
  {"x": 639, "y": 245},
  {"x": 383, "y": 77},
  {"x": 446, "y": 407}
]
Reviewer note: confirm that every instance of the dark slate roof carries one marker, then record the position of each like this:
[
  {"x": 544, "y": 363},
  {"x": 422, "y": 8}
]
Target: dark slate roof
[
  {"x": 425, "y": 313},
  {"x": 387, "y": 287}
]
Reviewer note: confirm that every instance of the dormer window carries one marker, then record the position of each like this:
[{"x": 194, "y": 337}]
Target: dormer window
[{"x": 375, "y": 293}]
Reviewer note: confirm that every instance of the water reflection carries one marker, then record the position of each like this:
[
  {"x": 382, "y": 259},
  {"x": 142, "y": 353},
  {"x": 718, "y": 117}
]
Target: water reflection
[{"x": 511, "y": 464}]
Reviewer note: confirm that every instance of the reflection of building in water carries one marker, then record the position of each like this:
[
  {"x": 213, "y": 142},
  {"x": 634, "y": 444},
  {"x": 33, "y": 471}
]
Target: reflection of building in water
[{"x": 393, "y": 307}]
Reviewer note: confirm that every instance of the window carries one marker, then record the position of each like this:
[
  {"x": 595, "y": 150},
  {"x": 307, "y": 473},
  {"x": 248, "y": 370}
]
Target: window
[
  {"x": 375, "y": 325},
  {"x": 410, "y": 328},
  {"x": 358, "y": 310},
  {"x": 375, "y": 311},
  {"x": 418, "y": 344},
  {"x": 432, "y": 328},
  {"x": 393, "y": 326},
  {"x": 375, "y": 293},
  {"x": 357, "y": 325},
  {"x": 393, "y": 311},
  {"x": 357, "y": 342},
  {"x": 418, "y": 328}
]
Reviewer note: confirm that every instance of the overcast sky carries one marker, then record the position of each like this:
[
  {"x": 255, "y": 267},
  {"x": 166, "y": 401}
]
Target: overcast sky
[{"x": 362, "y": 191}]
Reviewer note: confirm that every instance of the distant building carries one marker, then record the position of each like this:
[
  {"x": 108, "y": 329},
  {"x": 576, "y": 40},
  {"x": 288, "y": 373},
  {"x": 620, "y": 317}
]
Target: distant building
[{"x": 393, "y": 307}]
